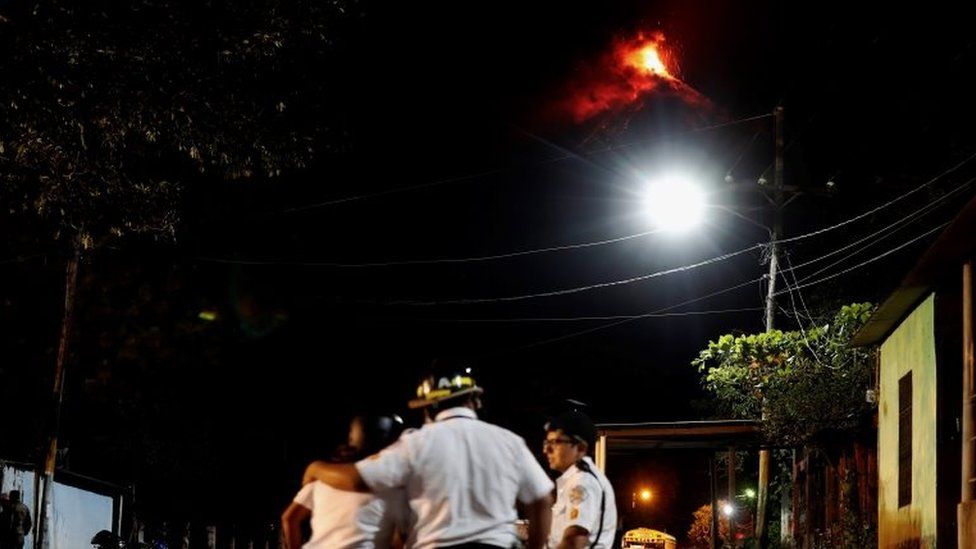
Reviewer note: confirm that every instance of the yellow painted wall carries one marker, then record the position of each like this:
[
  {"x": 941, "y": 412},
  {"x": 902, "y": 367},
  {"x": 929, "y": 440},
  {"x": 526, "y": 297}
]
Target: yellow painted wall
[{"x": 909, "y": 348}]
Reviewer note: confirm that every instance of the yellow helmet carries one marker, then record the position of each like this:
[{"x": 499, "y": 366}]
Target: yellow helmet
[{"x": 434, "y": 388}]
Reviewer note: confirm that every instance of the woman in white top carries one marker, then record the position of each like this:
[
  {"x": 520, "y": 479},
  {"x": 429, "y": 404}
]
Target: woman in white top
[{"x": 350, "y": 520}]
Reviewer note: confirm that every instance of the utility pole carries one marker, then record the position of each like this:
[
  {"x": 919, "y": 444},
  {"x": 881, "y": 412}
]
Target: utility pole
[
  {"x": 777, "y": 230},
  {"x": 43, "y": 531},
  {"x": 779, "y": 195},
  {"x": 779, "y": 201}
]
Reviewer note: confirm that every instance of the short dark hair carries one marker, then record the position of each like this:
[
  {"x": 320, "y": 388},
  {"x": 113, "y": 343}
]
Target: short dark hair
[{"x": 379, "y": 431}]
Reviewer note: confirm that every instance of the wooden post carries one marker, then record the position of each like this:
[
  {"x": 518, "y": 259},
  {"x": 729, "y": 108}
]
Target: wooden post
[
  {"x": 601, "y": 453},
  {"x": 43, "y": 528},
  {"x": 731, "y": 501},
  {"x": 966, "y": 513},
  {"x": 712, "y": 473}
]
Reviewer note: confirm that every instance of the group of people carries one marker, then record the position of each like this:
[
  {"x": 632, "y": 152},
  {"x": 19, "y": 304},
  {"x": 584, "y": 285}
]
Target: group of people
[
  {"x": 15, "y": 521},
  {"x": 457, "y": 482}
]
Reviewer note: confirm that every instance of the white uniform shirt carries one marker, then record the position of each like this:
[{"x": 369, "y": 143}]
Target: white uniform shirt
[
  {"x": 578, "y": 497},
  {"x": 348, "y": 520},
  {"x": 462, "y": 477}
]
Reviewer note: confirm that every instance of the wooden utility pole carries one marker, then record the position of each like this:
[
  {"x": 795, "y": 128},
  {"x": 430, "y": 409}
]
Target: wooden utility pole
[
  {"x": 779, "y": 201},
  {"x": 43, "y": 538}
]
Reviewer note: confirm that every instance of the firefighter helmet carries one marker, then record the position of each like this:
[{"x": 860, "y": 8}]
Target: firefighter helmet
[{"x": 443, "y": 385}]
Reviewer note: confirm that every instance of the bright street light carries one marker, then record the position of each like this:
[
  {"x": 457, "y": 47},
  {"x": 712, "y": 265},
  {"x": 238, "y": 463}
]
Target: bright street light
[
  {"x": 644, "y": 495},
  {"x": 727, "y": 509},
  {"x": 673, "y": 202},
  {"x": 750, "y": 493}
]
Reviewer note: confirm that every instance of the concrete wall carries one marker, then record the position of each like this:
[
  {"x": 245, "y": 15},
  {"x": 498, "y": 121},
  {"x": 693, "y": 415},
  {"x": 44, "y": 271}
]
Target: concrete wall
[
  {"x": 911, "y": 347},
  {"x": 76, "y": 514}
]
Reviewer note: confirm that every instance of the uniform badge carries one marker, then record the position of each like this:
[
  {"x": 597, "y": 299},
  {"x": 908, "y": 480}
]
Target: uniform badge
[
  {"x": 577, "y": 495},
  {"x": 574, "y": 513}
]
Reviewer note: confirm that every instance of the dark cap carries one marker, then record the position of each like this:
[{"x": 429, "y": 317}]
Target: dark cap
[{"x": 576, "y": 425}]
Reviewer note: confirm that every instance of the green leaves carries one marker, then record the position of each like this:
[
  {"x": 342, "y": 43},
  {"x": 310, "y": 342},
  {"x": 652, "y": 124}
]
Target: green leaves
[{"x": 801, "y": 383}]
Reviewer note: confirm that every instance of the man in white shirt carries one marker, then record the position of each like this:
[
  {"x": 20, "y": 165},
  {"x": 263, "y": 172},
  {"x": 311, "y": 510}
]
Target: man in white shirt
[
  {"x": 462, "y": 476},
  {"x": 585, "y": 513}
]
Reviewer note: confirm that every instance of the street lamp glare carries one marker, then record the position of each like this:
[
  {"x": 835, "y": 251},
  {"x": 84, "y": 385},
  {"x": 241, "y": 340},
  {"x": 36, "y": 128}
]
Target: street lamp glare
[
  {"x": 728, "y": 510},
  {"x": 674, "y": 202},
  {"x": 645, "y": 495},
  {"x": 750, "y": 493}
]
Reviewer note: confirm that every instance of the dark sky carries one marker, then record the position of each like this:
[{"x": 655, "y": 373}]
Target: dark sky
[
  {"x": 878, "y": 102},
  {"x": 875, "y": 102}
]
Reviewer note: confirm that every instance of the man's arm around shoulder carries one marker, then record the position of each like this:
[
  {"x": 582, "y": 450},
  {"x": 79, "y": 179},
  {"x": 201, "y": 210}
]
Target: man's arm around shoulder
[{"x": 341, "y": 476}]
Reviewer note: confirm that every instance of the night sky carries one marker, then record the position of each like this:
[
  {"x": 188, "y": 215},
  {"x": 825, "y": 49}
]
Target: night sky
[{"x": 452, "y": 144}]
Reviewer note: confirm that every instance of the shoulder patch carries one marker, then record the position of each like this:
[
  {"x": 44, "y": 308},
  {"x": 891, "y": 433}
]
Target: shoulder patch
[{"x": 577, "y": 494}]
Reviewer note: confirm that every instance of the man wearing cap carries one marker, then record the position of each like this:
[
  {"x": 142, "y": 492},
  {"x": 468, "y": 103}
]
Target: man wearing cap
[
  {"x": 462, "y": 476},
  {"x": 585, "y": 513},
  {"x": 16, "y": 522}
]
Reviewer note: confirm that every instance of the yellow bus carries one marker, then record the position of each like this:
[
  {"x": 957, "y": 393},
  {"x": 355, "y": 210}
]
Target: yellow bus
[{"x": 645, "y": 538}]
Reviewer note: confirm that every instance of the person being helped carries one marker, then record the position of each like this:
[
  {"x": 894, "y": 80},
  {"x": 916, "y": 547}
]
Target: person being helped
[
  {"x": 462, "y": 476},
  {"x": 342, "y": 520},
  {"x": 585, "y": 513}
]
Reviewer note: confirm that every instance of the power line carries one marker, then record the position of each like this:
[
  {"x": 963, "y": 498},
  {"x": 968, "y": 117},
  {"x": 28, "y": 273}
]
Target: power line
[
  {"x": 896, "y": 226},
  {"x": 692, "y": 266},
  {"x": 903, "y": 222},
  {"x": 579, "y": 289},
  {"x": 434, "y": 261},
  {"x": 866, "y": 262},
  {"x": 387, "y": 192},
  {"x": 791, "y": 269},
  {"x": 638, "y": 317},
  {"x": 881, "y": 207},
  {"x": 732, "y": 288},
  {"x": 799, "y": 320},
  {"x": 590, "y": 318}
]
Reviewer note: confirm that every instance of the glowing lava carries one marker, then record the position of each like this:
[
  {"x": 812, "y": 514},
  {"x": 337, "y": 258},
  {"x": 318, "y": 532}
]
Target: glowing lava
[
  {"x": 632, "y": 70},
  {"x": 649, "y": 59}
]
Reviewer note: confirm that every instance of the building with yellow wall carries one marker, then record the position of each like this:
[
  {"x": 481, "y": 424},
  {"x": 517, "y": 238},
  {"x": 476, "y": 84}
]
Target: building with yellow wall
[{"x": 924, "y": 331}]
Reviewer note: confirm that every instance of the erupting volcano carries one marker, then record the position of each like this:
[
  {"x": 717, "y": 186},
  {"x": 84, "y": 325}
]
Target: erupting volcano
[{"x": 633, "y": 70}]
